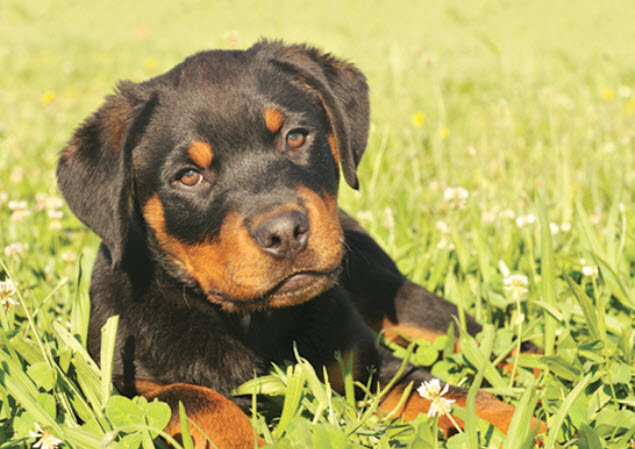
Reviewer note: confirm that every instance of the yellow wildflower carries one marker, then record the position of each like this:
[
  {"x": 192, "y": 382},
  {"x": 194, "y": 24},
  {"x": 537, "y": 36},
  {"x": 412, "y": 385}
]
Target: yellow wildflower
[
  {"x": 150, "y": 64},
  {"x": 418, "y": 119},
  {"x": 608, "y": 94},
  {"x": 47, "y": 97}
]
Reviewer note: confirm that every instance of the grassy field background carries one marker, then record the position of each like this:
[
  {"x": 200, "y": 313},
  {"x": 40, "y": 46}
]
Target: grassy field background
[{"x": 502, "y": 138}]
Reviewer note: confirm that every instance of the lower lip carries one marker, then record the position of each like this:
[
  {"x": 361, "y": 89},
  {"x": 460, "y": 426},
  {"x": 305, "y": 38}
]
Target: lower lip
[{"x": 297, "y": 282}]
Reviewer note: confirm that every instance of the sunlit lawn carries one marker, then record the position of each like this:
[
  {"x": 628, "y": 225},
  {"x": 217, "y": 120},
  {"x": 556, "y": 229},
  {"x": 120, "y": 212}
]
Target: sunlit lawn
[{"x": 501, "y": 145}]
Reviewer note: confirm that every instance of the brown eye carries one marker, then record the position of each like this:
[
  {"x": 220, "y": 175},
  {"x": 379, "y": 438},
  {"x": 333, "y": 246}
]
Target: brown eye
[
  {"x": 296, "y": 139},
  {"x": 191, "y": 178}
]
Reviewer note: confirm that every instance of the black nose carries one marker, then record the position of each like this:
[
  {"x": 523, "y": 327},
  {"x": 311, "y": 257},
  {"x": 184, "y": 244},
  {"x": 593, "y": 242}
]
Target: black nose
[{"x": 284, "y": 234}]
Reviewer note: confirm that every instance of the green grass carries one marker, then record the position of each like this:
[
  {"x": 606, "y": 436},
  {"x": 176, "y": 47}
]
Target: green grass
[{"x": 530, "y": 107}]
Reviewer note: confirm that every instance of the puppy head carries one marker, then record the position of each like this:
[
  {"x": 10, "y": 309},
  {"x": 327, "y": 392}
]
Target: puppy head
[{"x": 230, "y": 162}]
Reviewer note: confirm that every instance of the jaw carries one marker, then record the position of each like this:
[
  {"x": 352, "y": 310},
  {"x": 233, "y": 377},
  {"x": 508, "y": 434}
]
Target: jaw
[{"x": 293, "y": 290}]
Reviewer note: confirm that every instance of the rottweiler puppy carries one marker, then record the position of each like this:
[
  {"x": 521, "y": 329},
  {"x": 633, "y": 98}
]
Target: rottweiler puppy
[{"x": 214, "y": 190}]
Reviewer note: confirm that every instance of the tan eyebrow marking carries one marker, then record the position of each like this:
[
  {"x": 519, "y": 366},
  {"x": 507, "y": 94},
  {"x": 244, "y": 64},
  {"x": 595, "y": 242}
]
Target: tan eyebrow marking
[
  {"x": 273, "y": 119},
  {"x": 201, "y": 153}
]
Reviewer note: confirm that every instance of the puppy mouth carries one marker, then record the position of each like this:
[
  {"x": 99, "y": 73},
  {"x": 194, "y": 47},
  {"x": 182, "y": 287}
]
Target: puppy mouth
[
  {"x": 295, "y": 289},
  {"x": 297, "y": 282}
]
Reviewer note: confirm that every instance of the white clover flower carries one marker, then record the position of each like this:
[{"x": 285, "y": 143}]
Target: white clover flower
[
  {"x": 16, "y": 205},
  {"x": 489, "y": 216},
  {"x": 15, "y": 249},
  {"x": 525, "y": 220},
  {"x": 456, "y": 197},
  {"x": 442, "y": 226},
  {"x": 46, "y": 440},
  {"x": 595, "y": 217},
  {"x": 432, "y": 392},
  {"x": 55, "y": 214},
  {"x": 590, "y": 271},
  {"x": 508, "y": 213},
  {"x": 565, "y": 227},
  {"x": 56, "y": 225},
  {"x": 7, "y": 290},
  {"x": 554, "y": 228},
  {"x": 516, "y": 284},
  {"x": 445, "y": 243},
  {"x": 4, "y": 197},
  {"x": 48, "y": 202},
  {"x": 518, "y": 319},
  {"x": 18, "y": 215},
  {"x": 8, "y": 303}
]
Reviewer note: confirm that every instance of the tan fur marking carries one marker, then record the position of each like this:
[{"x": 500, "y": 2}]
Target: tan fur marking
[
  {"x": 398, "y": 333},
  {"x": 201, "y": 153},
  {"x": 334, "y": 370},
  {"x": 273, "y": 119},
  {"x": 213, "y": 416},
  {"x": 333, "y": 144},
  {"x": 326, "y": 236},
  {"x": 233, "y": 265},
  {"x": 212, "y": 263}
]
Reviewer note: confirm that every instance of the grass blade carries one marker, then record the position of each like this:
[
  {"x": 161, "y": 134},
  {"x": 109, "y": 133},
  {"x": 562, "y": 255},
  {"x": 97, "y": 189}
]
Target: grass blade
[
  {"x": 185, "y": 429},
  {"x": 519, "y": 428},
  {"x": 479, "y": 358},
  {"x": 548, "y": 277},
  {"x": 470, "y": 404},
  {"x": 108, "y": 337},
  {"x": 588, "y": 308},
  {"x": 626, "y": 297},
  {"x": 558, "y": 419},
  {"x": 295, "y": 385}
]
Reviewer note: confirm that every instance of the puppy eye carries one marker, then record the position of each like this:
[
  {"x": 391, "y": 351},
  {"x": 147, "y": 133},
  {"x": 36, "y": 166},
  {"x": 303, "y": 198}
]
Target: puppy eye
[
  {"x": 190, "y": 178},
  {"x": 295, "y": 139}
]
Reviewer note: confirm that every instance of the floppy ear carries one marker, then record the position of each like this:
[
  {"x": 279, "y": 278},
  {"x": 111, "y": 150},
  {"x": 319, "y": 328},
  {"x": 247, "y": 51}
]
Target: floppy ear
[
  {"x": 94, "y": 171},
  {"x": 343, "y": 91}
]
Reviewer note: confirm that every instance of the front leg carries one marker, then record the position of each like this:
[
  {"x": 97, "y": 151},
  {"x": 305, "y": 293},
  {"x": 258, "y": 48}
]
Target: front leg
[
  {"x": 385, "y": 298},
  {"x": 212, "y": 417}
]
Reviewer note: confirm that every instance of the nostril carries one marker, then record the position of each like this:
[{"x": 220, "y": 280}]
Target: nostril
[
  {"x": 300, "y": 231},
  {"x": 275, "y": 241}
]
